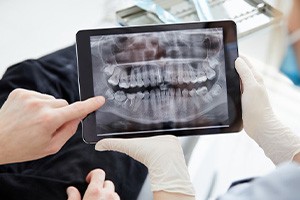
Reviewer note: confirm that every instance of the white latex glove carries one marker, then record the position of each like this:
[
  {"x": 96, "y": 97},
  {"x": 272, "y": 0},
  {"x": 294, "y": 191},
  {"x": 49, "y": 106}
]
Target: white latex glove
[
  {"x": 162, "y": 155},
  {"x": 260, "y": 123}
]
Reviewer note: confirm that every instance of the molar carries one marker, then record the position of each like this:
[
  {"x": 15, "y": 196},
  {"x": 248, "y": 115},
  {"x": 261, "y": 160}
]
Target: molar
[
  {"x": 138, "y": 100},
  {"x": 195, "y": 98},
  {"x": 202, "y": 91},
  {"x": 213, "y": 62},
  {"x": 216, "y": 90},
  {"x": 210, "y": 73},
  {"x": 109, "y": 94},
  {"x": 120, "y": 96},
  {"x": 124, "y": 80},
  {"x": 109, "y": 69},
  {"x": 115, "y": 78}
]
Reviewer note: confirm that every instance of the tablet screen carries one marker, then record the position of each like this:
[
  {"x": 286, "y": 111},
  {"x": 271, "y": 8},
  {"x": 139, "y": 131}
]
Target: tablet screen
[{"x": 160, "y": 81}]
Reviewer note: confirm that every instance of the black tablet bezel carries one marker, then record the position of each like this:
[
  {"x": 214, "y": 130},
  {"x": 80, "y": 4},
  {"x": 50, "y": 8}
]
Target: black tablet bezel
[{"x": 232, "y": 79}]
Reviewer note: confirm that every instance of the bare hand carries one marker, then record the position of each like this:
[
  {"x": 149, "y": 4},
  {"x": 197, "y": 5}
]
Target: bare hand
[
  {"x": 98, "y": 188},
  {"x": 34, "y": 125}
]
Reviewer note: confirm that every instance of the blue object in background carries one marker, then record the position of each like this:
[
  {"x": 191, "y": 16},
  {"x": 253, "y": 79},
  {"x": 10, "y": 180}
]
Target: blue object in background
[{"x": 289, "y": 66}]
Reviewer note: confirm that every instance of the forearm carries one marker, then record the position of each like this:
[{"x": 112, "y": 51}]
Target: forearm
[{"x": 161, "y": 195}]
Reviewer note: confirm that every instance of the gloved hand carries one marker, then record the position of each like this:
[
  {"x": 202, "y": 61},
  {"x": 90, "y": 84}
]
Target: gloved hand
[
  {"x": 260, "y": 122},
  {"x": 162, "y": 155}
]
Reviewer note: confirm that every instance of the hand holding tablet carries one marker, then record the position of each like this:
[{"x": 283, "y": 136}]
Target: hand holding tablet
[{"x": 177, "y": 79}]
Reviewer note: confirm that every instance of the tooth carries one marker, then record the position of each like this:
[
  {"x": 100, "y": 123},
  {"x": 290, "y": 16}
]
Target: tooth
[
  {"x": 146, "y": 102},
  {"x": 172, "y": 93},
  {"x": 120, "y": 96},
  {"x": 158, "y": 75},
  {"x": 153, "y": 100},
  {"x": 186, "y": 77},
  {"x": 167, "y": 74},
  {"x": 180, "y": 73},
  {"x": 213, "y": 62},
  {"x": 158, "y": 97},
  {"x": 178, "y": 97},
  {"x": 152, "y": 77},
  {"x": 173, "y": 74},
  {"x": 114, "y": 79},
  {"x": 138, "y": 100},
  {"x": 201, "y": 77},
  {"x": 109, "y": 69},
  {"x": 207, "y": 98},
  {"x": 133, "y": 82},
  {"x": 210, "y": 73},
  {"x": 178, "y": 92},
  {"x": 164, "y": 96},
  {"x": 145, "y": 76},
  {"x": 195, "y": 98},
  {"x": 139, "y": 80},
  {"x": 202, "y": 91},
  {"x": 126, "y": 103},
  {"x": 192, "y": 75},
  {"x": 124, "y": 80},
  {"x": 131, "y": 97},
  {"x": 109, "y": 94},
  {"x": 216, "y": 90},
  {"x": 185, "y": 93},
  {"x": 146, "y": 95}
]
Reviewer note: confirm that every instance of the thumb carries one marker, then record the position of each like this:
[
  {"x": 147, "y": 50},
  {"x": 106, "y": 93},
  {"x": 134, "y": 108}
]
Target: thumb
[
  {"x": 73, "y": 193},
  {"x": 131, "y": 147},
  {"x": 244, "y": 72},
  {"x": 120, "y": 145}
]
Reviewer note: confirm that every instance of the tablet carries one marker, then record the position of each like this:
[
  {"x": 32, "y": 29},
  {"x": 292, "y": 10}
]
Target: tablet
[{"x": 161, "y": 79}]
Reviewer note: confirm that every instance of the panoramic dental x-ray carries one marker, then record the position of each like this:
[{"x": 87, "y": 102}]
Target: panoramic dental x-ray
[{"x": 160, "y": 81}]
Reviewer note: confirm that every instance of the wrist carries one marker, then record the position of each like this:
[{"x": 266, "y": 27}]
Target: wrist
[
  {"x": 279, "y": 143},
  {"x": 161, "y": 195},
  {"x": 173, "y": 177}
]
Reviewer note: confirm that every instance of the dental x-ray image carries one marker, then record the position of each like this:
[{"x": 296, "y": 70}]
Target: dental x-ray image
[{"x": 160, "y": 81}]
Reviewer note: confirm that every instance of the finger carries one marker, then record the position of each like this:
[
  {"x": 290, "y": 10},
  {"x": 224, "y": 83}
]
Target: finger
[
  {"x": 64, "y": 133},
  {"x": 73, "y": 193},
  {"x": 256, "y": 74},
  {"x": 96, "y": 177},
  {"x": 56, "y": 103},
  {"x": 244, "y": 72},
  {"x": 95, "y": 188},
  {"x": 120, "y": 145},
  {"x": 116, "y": 196},
  {"x": 80, "y": 109},
  {"x": 109, "y": 185}
]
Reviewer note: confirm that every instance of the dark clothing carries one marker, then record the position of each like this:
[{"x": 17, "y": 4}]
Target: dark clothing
[{"x": 49, "y": 177}]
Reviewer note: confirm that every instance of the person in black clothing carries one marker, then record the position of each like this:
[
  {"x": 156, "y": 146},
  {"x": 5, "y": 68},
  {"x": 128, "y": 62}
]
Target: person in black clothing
[{"x": 53, "y": 78}]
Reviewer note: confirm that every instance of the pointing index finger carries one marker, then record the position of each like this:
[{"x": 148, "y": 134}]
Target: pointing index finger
[{"x": 80, "y": 109}]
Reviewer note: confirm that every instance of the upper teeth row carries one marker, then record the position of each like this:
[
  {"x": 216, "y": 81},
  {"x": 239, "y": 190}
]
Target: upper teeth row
[{"x": 155, "y": 75}]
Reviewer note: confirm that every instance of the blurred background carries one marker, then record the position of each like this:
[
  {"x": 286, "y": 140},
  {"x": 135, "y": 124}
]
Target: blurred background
[{"x": 268, "y": 34}]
